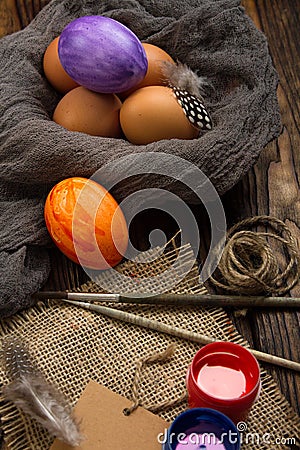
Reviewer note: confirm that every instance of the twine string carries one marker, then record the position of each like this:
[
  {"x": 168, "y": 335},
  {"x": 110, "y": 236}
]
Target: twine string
[
  {"x": 136, "y": 401},
  {"x": 249, "y": 264}
]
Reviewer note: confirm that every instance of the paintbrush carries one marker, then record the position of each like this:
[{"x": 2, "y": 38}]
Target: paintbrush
[
  {"x": 174, "y": 331},
  {"x": 212, "y": 300}
]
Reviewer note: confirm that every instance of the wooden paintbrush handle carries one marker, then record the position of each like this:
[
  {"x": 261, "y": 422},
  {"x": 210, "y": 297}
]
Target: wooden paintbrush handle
[
  {"x": 177, "y": 299},
  {"x": 177, "y": 332}
]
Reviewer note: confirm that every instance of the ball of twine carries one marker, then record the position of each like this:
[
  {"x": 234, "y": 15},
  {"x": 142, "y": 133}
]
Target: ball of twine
[{"x": 249, "y": 265}]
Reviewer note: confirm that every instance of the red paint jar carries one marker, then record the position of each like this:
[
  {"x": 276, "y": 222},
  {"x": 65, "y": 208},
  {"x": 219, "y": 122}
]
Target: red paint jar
[{"x": 226, "y": 377}]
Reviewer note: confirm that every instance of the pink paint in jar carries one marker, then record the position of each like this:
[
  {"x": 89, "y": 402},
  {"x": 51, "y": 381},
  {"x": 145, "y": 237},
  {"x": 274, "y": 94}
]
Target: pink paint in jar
[{"x": 226, "y": 377}]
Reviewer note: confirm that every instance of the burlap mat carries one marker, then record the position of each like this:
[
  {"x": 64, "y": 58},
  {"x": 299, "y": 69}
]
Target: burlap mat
[{"x": 72, "y": 346}]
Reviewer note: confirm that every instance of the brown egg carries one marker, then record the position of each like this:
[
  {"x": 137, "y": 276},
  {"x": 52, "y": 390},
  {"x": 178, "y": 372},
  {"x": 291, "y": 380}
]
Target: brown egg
[
  {"x": 54, "y": 71},
  {"x": 89, "y": 112},
  {"x": 152, "y": 113},
  {"x": 154, "y": 75}
]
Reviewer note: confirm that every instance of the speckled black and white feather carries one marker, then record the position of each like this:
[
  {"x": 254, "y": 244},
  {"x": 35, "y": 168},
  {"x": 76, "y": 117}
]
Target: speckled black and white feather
[
  {"x": 188, "y": 90},
  {"x": 30, "y": 392},
  {"x": 194, "y": 109}
]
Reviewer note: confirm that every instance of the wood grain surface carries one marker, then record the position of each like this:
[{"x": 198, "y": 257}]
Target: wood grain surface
[{"x": 271, "y": 187}]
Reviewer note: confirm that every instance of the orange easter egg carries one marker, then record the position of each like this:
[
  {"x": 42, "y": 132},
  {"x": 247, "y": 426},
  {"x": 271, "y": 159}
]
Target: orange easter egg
[{"x": 86, "y": 223}]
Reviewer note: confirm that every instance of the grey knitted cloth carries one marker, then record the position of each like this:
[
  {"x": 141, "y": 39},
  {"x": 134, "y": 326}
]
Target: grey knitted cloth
[{"x": 213, "y": 37}]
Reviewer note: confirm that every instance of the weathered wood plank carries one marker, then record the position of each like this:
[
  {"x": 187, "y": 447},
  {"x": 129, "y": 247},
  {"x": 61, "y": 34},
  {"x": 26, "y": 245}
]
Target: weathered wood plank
[
  {"x": 15, "y": 15},
  {"x": 9, "y": 18},
  {"x": 272, "y": 186}
]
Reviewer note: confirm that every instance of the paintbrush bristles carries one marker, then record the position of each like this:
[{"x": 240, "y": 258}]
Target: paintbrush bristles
[{"x": 30, "y": 392}]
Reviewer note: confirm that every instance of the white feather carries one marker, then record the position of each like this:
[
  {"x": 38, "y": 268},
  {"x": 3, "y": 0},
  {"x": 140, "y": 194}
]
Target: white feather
[
  {"x": 181, "y": 76},
  {"x": 30, "y": 392}
]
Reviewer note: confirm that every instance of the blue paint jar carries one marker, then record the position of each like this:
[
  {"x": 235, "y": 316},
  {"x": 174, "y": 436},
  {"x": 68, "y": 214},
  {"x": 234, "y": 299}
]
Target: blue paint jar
[{"x": 202, "y": 429}]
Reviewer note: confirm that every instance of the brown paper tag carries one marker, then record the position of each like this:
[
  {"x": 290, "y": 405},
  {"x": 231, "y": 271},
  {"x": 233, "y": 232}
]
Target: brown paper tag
[{"x": 104, "y": 426}]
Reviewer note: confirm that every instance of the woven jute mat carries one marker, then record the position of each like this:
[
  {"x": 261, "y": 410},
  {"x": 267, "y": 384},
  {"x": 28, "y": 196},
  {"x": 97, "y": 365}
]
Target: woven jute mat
[{"x": 71, "y": 346}]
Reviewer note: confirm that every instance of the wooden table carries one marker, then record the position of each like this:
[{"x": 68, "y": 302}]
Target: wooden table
[{"x": 271, "y": 187}]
